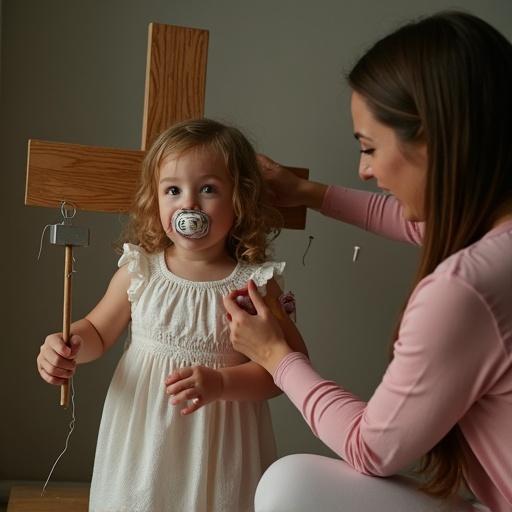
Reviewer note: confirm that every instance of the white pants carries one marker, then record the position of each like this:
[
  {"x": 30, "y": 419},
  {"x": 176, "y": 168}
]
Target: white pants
[{"x": 312, "y": 483}]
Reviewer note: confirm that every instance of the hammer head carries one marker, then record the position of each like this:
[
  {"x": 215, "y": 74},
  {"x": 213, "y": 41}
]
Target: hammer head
[{"x": 67, "y": 234}]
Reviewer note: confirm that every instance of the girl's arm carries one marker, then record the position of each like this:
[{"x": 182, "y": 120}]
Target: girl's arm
[
  {"x": 90, "y": 337},
  {"x": 250, "y": 381},
  {"x": 244, "y": 382},
  {"x": 108, "y": 319}
]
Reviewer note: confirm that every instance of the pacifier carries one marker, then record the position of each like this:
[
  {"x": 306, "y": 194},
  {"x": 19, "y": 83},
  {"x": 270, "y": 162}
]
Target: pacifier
[{"x": 191, "y": 223}]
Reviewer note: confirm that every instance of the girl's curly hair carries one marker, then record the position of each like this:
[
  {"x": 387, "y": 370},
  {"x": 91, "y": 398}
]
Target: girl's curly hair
[{"x": 256, "y": 223}]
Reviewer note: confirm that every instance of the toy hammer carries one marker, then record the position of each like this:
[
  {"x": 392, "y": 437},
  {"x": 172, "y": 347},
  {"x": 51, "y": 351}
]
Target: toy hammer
[{"x": 69, "y": 236}]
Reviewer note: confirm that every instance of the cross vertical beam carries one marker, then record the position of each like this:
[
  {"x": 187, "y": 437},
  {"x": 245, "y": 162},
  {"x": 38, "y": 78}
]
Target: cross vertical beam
[
  {"x": 104, "y": 179},
  {"x": 175, "y": 78}
]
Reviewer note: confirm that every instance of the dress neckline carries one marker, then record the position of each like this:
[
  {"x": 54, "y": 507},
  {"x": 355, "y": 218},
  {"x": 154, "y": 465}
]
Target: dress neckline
[{"x": 166, "y": 272}]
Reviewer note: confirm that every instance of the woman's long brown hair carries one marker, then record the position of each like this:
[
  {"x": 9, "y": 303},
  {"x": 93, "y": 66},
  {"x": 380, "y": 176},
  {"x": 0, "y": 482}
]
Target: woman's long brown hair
[{"x": 446, "y": 80}]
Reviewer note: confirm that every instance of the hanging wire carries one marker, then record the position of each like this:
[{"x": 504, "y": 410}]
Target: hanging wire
[{"x": 71, "y": 428}]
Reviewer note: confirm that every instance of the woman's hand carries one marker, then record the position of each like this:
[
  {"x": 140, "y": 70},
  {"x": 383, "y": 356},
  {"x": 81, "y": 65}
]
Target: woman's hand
[
  {"x": 199, "y": 384},
  {"x": 259, "y": 337},
  {"x": 56, "y": 361},
  {"x": 287, "y": 189},
  {"x": 283, "y": 184}
]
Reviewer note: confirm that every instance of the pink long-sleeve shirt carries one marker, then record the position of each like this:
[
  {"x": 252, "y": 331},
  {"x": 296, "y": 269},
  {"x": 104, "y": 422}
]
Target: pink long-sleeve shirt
[{"x": 452, "y": 363}]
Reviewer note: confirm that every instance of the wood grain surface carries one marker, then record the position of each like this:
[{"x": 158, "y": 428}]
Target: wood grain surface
[
  {"x": 175, "y": 78},
  {"x": 72, "y": 498}
]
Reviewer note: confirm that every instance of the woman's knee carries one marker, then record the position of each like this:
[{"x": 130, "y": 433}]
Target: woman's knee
[
  {"x": 274, "y": 486},
  {"x": 305, "y": 482},
  {"x": 288, "y": 483},
  {"x": 285, "y": 471}
]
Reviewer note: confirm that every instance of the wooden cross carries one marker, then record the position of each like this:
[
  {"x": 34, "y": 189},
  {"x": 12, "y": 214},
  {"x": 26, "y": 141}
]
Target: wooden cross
[{"x": 105, "y": 179}]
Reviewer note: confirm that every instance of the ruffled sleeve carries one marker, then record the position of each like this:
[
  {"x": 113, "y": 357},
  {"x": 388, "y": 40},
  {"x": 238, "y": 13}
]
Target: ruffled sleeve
[
  {"x": 138, "y": 266},
  {"x": 267, "y": 271}
]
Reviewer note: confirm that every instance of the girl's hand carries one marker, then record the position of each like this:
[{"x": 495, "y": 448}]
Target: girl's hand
[
  {"x": 56, "y": 361},
  {"x": 259, "y": 337},
  {"x": 199, "y": 384}
]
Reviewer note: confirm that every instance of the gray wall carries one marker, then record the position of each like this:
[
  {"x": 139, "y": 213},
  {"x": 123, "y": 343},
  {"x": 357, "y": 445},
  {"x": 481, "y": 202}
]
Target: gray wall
[{"x": 74, "y": 71}]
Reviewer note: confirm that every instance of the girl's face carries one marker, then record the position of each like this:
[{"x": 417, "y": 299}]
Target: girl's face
[
  {"x": 383, "y": 158},
  {"x": 196, "y": 179}
]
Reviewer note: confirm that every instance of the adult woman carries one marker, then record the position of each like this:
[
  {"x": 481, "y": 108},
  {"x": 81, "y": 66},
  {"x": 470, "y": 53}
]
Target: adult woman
[{"x": 432, "y": 110}]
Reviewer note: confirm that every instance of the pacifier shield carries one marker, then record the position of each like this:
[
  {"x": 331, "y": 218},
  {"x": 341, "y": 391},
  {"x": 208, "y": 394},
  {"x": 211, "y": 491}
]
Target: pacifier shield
[{"x": 191, "y": 223}]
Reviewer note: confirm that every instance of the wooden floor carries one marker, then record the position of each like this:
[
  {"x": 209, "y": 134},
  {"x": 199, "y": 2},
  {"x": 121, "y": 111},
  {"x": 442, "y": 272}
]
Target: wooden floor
[{"x": 72, "y": 498}]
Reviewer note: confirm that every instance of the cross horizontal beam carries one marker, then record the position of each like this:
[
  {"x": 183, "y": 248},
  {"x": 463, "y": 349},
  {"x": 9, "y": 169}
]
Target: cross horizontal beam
[
  {"x": 99, "y": 179},
  {"x": 92, "y": 178},
  {"x": 105, "y": 179}
]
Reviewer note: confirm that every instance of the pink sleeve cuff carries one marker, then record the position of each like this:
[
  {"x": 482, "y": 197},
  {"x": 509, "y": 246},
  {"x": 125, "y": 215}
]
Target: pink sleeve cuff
[
  {"x": 345, "y": 204},
  {"x": 285, "y": 364}
]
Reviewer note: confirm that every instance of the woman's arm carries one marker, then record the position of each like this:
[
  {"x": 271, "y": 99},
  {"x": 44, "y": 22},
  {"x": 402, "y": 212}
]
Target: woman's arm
[
  {"x": 447, "y": 355},
  {"x": 378, "y": 213},
  {"x": 250, "y": 381}
]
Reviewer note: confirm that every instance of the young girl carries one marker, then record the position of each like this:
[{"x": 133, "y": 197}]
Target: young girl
[{"x": 185, "y": 425}]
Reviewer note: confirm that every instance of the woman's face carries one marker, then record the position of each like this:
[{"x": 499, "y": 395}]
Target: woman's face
[{"x": 383, "y": 158}]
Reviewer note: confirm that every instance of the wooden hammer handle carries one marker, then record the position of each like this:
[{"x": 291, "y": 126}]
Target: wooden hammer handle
[{"x": 66, "y": 316}]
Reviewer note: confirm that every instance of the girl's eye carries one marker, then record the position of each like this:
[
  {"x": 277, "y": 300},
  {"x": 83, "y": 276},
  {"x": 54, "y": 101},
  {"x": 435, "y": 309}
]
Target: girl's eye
[
  {"x": 367, "y": 151},
  {"x": 208, "y": 189},
  {"x": 172, "y": 191}
]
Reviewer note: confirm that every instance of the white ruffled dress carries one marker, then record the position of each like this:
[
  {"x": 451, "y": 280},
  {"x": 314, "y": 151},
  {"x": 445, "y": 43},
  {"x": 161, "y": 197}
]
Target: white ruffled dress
[{"x": 150, "y": 458}]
